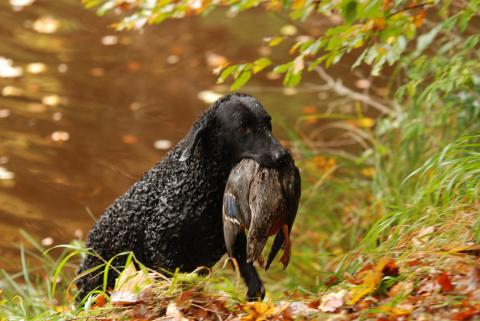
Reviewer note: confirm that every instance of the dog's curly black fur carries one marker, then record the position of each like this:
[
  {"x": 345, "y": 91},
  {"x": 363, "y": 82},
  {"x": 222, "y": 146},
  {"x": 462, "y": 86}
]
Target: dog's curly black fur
[{"x": 171, "y": 218}]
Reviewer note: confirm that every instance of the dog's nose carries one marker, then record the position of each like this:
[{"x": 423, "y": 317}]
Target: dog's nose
[{"x": 279, "y": 155}]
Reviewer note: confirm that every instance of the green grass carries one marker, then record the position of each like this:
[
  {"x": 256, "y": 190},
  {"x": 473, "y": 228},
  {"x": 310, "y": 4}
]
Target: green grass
[{"x": 30, "y": 293}]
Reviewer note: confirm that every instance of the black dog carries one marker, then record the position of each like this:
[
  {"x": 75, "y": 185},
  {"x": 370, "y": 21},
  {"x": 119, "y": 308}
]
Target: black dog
[{"x": 172, "y": 217}]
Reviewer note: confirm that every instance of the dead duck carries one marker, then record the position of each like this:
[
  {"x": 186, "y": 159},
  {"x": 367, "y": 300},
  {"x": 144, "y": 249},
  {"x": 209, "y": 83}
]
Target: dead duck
[{"x": 263, "y": 201}]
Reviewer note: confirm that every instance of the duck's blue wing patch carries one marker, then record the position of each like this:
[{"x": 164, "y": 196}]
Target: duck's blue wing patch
[{"x": 231, "y": 211}]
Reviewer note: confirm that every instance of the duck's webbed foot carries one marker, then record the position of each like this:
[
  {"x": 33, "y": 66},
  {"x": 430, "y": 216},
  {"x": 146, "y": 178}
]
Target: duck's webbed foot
[{"x": 287, "y": 247}]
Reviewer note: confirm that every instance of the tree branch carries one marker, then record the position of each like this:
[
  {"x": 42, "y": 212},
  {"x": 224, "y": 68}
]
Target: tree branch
[
  {"x": 339, "y": 88},
  {"x": 420, "y": 5}
]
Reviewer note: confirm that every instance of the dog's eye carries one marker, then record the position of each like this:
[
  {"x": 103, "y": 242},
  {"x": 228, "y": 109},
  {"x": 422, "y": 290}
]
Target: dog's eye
[{"x": 244, "y": 129}]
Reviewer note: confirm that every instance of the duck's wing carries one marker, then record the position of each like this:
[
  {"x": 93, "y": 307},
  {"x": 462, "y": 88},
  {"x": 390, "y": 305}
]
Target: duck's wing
[
  {"x": 236, "y": 207},
  {"x": 232, "y": 224},
  {"x": 291, "y": 186}
]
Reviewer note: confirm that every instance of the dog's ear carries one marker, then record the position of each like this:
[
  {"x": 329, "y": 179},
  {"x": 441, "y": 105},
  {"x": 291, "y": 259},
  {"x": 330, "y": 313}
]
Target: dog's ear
[{"x": 193, "y": 137}]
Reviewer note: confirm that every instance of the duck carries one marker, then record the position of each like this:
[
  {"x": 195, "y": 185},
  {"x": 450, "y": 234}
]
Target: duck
[{"x": 261, "y": 202}]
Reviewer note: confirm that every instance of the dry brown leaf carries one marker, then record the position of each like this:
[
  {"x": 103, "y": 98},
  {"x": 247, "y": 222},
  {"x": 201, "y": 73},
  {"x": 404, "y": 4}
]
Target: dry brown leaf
[
  {"x": 444, "y": 280},
  {"x": 130, "y": 285},
  {"x": 332, "y": 301},
  {"x": 403, "y": 288}
]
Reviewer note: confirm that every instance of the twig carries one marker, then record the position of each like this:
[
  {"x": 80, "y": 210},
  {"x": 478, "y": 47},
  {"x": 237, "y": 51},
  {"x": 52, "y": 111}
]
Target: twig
[
  {"x": 339, "y": 88},
  {"x": 420, "y": 5}
]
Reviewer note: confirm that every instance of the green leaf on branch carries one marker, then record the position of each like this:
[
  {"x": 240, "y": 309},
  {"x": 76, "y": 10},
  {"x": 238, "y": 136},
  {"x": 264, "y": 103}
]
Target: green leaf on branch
[
  {"x": 260, "y": 64},
  {"x": 241, "y": 80},
  {"x": 281, "y": 69},
  {"x": 426, "y": 39},
  {"x": 349, "y": 11},
  {"x": 275, "y": 41},
  {"x": 225, "y": 73}
]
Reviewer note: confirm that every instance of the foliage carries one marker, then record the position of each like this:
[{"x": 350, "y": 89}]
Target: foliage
[{"x": 377, "y": 31}]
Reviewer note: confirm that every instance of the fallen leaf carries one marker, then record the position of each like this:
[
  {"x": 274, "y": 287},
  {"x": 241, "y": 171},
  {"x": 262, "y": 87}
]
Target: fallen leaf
[
  {"x": 402, "y": 288},
  {"x": 466, "y": 314},
  {"x": 162, "y": 144},
  {"x": 60, "y": 136},
  {"x": 331, "y": 280},
  {"x": 20, "y": 4},
  {"x": 97, "y": 72},
  {"x": 10, "y": 90},
  {"x": 288, "y": 30},
  {"x": 427, "y": 287},
  {"x": 130, "y": 285},
  {"x": 363, "y": 83},
  {"x": 365, "y": 122},
  {"x": 129, "y": 139},
  {"x": 184, "y": 296},
  {"x": 215, "y": 60},
  {"x": 174, "y": 313},
  {"x": 36, "y": 68},
  {"x": 46, "y": 25},
  {"x": 100, "y": 301},
  {"x": 7, "y": 70},
  {"x": 309, "y": 109},
  {"x": 5, "y": 174},
  {"x": 36, "y": 108},
  {"x": 4, "y": 113},
  {"x": 133, "y": 66},
  {"x": 109, "y": 40},
  {"x": 47, "y": 241},
  {"x": 368, "y": 171},
  {"x": 371, "y": 278},
  {"x": 172, "y": 59},
  {"x": 394, "y": 311},
  {"x": 444, "y": 280},
  {"x": 332, "y": 301},
  {"x": 257, "y": 311},
  {"x": 473, "y": 277},
  {"x": 52, "y": 100},
  {"x": 208, "y": 96}
]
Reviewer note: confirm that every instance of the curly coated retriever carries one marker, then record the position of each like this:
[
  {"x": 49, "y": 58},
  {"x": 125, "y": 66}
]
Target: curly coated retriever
[{"x": 172, "y": 217}]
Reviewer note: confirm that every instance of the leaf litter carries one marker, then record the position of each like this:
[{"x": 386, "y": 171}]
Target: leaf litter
[{"x": 413, "y": 288}]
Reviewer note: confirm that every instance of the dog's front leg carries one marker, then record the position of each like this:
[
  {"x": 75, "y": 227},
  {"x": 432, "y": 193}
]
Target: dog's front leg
[{"x": 256, "y": 291}]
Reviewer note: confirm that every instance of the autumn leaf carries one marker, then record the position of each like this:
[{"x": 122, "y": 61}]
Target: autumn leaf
[
  {"x": 387, "y": 4},
  {"x": 332, "y": 301},
  {"x": 129, "y": 139},
  {"x": 419, "y": 18},
  {"x": 368, "y": 171},
  {"x": 258, "y": 311},
  {"x": 100, "y": 301},
  {"x": 371, "y": 278},
  {"x": 444, "y": 280},
  {"x": 129, "y": 285},
  {"x": 466, "y": 314},
  {"x": 309, "y": 109}
]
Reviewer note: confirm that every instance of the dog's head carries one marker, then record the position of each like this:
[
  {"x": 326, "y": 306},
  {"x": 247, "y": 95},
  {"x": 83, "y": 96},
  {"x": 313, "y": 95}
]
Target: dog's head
[{"x": 241, "y": 127}]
